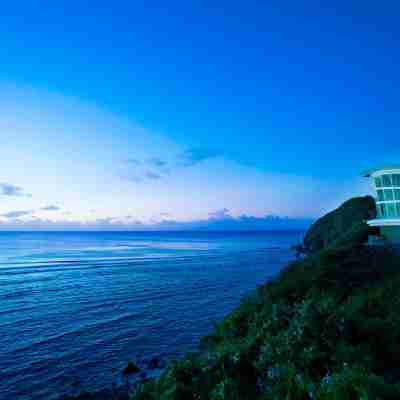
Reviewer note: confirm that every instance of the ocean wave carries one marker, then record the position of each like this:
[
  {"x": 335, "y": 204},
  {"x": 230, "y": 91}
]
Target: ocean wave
[{"x": 68, "y": 314}]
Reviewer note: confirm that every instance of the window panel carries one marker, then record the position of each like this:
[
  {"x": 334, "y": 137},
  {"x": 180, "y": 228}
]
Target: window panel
[
  {"x": 396, "y": 180},
  {"x": 386, "y": 181},
  {"x": 378, "y": 182},
  {"x": 391, "y": 210},
  {"x": 383, "y": 210},
  {"x": 380, "y": 195},
  {"x": 396, "y": 194},
  {"x": 398, "y": 209},
  {"x": 388, "y": 194}
]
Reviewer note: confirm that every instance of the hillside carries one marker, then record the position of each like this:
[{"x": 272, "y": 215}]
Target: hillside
[
  {"x": 327, "y": 328},
  {"x": 335, "y": 225}
]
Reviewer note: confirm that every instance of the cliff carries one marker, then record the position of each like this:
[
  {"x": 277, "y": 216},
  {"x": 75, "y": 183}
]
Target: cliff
[{"x": 343, "y": 222}]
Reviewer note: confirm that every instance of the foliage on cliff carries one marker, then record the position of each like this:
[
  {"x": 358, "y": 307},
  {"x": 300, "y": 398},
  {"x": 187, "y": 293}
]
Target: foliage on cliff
[
  {"x": 327, "y": 328},
  {"x": 339, "y": 223}
]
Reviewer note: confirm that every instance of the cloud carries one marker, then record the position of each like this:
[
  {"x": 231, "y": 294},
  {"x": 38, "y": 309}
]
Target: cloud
[
  {"x": 195, "y": 156},
  {"x": 104, "y": 221},
  {"x": 157, "y": 162},
  {"x": 51, "y": 208},
  {"x": 222, "y": 221},
  {"x": 152, "y": 168},
  {"x": 218, "y": 221},
  {"x": 133, "y": 220},
  {"x": 22, "y": 213},
  {"x": 43, "y": 224},
  {"x": 133, "y": 161},
  {"x": 220, "y": 214},
  {"x": 152, "y": 175},
  {"x": 7, "y": 189},
  {"x": 159, "y": 167},
  {"x": 16, "y": 214}
]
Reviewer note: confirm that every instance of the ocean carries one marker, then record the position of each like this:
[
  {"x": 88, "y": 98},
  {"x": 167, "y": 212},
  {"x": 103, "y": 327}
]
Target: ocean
[{"x": 76, "y": 307}]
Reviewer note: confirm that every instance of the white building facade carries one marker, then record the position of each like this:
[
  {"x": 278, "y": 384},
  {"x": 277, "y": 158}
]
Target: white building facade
[{"x": 386, "y": 182}]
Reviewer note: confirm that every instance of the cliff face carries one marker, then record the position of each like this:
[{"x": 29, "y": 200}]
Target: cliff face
[{"x": 345, "y": 221}]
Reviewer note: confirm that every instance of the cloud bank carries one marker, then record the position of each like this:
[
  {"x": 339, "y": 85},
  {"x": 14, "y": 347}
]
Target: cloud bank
[{"x": 220, "y": 220}]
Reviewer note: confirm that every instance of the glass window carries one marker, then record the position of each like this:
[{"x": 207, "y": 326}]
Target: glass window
[
  {"x": 398, "y": 209},
  {"x": 396, "y": 180},
  {"x": 396, "y": 194},
  {"x": 380, "y": 195},
  {"x": 391, "y": 210},
  {"x": 388, "y": 194},
  {"x": 378, "y": 210},
  {"x": 378, "y": 182},
  {"x": 383, "y": 210},
  {"x": 386, "y": 181}
]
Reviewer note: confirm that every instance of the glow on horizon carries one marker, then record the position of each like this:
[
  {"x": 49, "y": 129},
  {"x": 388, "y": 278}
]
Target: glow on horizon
[{"x": 92, "y": 166}]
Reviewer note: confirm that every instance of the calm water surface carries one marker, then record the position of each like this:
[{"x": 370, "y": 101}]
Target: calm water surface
[{"x": 76, "y": 307}]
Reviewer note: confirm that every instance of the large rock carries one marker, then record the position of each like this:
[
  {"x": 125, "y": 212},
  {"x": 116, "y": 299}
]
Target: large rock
[
  {"x": 132, "y": 368},
  {"x": 346, "y": 223}
]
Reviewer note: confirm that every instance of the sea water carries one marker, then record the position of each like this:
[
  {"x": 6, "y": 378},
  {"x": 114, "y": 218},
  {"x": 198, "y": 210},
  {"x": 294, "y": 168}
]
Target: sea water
[{"x": 76, "y": 307}]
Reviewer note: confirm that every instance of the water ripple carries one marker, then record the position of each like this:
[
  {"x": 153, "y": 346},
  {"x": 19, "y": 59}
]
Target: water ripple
[{"x": 75, "y": 308}]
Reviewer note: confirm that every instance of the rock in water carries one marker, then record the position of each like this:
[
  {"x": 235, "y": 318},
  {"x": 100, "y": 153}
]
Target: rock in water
[{"x": 132, "y": 368}]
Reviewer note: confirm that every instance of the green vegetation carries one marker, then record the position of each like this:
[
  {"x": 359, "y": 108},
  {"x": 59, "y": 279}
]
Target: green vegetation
[
  {"x": 327, "y": 328},
  {"x": 335, "y": 225}
]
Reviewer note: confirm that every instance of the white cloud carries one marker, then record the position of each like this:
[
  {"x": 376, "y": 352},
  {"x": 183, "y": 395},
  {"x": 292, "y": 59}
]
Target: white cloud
[
  {"x": 7, "y": 189},
  {"x": 16, "y": 214},
  {"x": 51, "y": 208}
]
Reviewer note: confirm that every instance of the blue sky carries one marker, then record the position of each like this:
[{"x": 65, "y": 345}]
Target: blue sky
[{"x": 121, "y": 114}]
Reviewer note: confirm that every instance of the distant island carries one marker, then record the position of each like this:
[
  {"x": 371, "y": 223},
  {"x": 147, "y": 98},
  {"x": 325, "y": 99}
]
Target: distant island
[{"x": 328, "y": 327}]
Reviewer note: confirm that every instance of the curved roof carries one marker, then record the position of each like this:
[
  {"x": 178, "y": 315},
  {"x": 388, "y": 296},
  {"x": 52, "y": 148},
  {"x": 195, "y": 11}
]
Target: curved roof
[{"x": 382, "y": 168}]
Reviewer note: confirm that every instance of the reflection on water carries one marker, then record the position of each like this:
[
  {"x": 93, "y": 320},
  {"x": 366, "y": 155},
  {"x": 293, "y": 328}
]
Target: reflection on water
[{"x": 76, "y": 307}]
